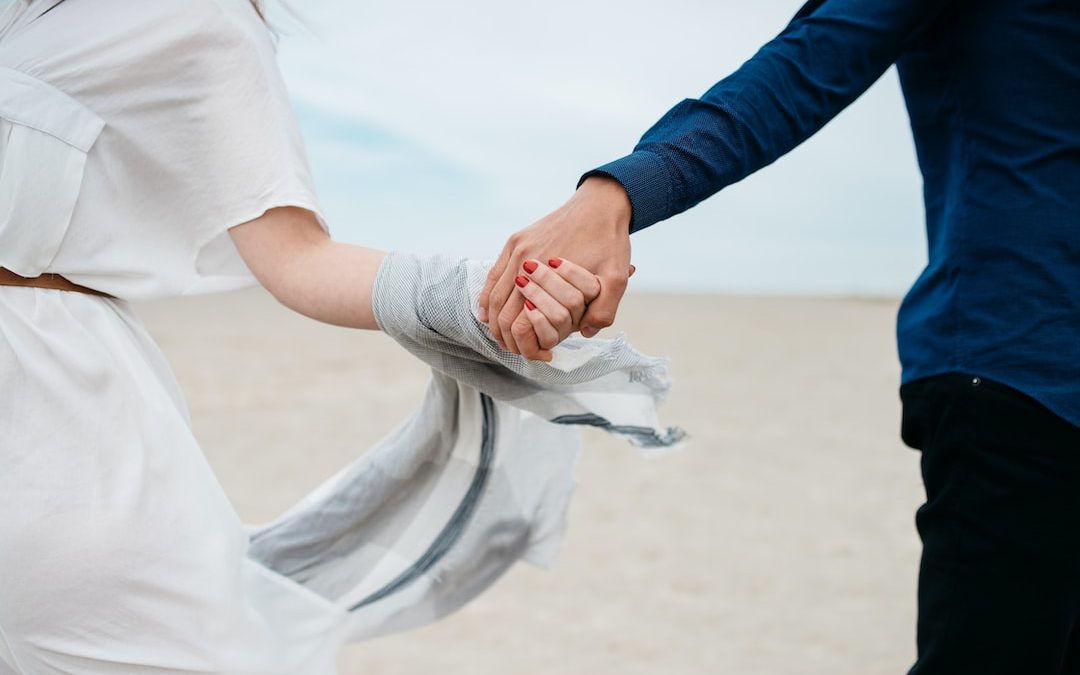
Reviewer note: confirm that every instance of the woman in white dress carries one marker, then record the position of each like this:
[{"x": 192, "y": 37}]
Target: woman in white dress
[{"x": 147, "y": 149}]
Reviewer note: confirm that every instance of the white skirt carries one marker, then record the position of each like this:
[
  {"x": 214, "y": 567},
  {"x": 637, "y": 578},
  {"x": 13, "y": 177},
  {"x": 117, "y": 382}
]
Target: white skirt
[{"x": 119, "y": 550}]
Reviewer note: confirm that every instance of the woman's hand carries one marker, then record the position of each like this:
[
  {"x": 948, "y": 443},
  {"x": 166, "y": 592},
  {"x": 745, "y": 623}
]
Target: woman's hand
[
  {"x": 556, "y": 296},
  {"x": 594, "y": 228}
]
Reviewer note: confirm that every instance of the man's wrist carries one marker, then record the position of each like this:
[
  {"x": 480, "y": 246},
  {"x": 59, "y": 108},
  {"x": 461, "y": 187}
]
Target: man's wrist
[
  {"x": 612, "y": 195},
  {"x": 646, "y": 181}
]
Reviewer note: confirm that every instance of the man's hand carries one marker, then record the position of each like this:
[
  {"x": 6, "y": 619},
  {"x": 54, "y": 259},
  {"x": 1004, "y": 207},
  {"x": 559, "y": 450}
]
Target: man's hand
[{"x": 593, "y": 229}]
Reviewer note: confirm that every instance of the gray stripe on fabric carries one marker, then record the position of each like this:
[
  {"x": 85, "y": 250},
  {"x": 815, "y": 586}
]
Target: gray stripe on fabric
[
  {"x": 646, "y": 437},
  {"x": 458, "y": 521}
]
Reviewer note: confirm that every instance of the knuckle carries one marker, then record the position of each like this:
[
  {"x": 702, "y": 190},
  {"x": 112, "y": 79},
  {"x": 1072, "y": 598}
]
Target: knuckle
[
  {"x": 602, "y": 318},
  {"x": 615, "y": 282},
  {"x": 519, "y": 330},
  {"x": 505, "y": 322},
  {"x": 577, "y": 303},
  {"x": 562, "y": 316}
]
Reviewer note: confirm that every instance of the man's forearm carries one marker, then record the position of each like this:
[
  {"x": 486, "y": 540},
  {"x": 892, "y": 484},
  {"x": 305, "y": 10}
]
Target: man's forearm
[{"x": 830, "y": 53}]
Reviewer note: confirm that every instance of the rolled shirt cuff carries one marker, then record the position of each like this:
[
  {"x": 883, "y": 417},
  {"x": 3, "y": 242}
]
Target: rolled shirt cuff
[{"x": 647, "y": 182}]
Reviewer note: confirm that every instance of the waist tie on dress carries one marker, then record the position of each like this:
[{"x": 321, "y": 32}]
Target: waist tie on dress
[{"x": 47, "y": 280}]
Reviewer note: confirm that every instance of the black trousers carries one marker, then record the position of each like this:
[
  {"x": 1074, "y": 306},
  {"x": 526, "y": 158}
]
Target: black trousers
[{"x": 999, "y": 580}]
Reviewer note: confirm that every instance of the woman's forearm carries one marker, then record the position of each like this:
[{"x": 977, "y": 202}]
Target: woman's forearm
[
  {"x": 294, "y": 259},
  {"x": 330, "y": 282}
]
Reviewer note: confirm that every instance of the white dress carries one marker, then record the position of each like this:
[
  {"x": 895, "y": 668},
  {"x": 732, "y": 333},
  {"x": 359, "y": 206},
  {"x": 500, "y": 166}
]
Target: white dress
[{"x": 133, "y": 135}]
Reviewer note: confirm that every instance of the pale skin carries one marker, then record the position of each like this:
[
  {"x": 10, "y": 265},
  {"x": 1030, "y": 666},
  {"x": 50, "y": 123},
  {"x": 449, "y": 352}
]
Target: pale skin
[
  {"x": 306, "y": 270},
  {"x": 329, "y": 281},
  {"x": 555, "y": 295},
  {"x": 593, "y": 227}
]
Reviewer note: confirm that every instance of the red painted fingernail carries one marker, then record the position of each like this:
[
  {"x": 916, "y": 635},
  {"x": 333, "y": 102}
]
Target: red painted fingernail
[
  {"x": 555, "y": 262},
  {"x": 529, "y": 266},
  {"x": 521, "y": 281},
  {"x": 528, "y": 303}
]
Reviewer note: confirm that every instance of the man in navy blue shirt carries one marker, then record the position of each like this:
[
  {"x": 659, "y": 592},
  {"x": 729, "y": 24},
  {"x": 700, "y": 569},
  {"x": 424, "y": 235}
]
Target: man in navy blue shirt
[{"x": 989, "y": 335}]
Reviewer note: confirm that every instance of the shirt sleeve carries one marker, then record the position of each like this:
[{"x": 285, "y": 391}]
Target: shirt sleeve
[{"x": 827, "y": 56}]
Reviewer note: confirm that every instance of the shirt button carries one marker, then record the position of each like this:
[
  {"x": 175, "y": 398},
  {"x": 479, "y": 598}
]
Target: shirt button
[{"x": 976, "y": 381}]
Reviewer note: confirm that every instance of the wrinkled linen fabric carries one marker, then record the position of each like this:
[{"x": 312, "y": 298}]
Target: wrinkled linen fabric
[
  {"x": 478, "y": 478},
  {"x": 428, "y": 305}
]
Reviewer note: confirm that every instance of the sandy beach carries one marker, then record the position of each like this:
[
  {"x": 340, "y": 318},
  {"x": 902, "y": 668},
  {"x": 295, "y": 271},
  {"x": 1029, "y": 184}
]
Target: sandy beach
[{"x": 780, "y": 541}]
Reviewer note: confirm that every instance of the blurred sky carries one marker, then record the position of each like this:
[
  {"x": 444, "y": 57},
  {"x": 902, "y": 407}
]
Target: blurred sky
[{"x": 446, "y": 126}]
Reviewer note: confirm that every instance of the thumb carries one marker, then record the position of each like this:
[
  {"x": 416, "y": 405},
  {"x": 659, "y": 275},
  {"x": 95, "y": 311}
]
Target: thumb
[{"x": 600, "y": 313}]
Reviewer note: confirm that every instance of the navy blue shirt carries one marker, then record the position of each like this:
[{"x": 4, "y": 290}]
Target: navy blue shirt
[{"x": 993, "y": 92}]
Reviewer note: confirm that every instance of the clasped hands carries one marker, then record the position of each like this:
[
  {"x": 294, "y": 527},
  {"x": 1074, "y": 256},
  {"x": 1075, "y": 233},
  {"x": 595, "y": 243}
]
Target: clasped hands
[{"x": 566, "y": 272}]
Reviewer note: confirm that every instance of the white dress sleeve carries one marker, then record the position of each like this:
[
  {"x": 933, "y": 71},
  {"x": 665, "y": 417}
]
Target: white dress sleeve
[
  {"x": 242, "y": 153},
  {"x": 196, "y": 135}
]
